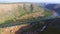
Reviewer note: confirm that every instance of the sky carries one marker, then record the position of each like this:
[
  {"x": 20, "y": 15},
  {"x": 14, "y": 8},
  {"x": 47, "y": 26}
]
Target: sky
[{"x": 38, "y": 1}]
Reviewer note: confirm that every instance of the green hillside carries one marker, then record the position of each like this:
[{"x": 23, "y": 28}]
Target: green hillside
[{"x": 21, "y": 14}]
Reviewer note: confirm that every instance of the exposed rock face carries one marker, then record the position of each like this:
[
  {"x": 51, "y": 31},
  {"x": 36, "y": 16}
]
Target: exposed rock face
[{"x": 11, "y": 30}]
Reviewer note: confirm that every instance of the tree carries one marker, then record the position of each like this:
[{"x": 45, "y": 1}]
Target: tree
[{"x": 31, "y": 7}]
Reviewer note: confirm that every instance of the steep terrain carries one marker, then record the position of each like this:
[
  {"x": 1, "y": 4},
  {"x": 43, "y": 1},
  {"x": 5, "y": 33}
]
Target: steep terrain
[{"x": 12, "y": 15}]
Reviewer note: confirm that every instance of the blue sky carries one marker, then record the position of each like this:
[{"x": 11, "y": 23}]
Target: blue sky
[{"x": 41, "y": 1}]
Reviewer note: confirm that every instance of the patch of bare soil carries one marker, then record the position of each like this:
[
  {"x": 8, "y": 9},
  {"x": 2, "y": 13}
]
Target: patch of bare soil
[{"x": 11, "y": 30}]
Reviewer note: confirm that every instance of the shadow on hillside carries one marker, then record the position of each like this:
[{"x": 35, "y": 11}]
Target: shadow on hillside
[
  {"x": 53, "y": 27},
  {"x": 30, "y": 29}
]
